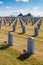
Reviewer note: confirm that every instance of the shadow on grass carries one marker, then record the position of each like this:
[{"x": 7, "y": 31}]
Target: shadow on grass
[
  {"x": 23, "y": 57},
  {"x": 2, "y": 47},
  {"x": 11, "y": 31},
  {"x": 34, "y": 36},
  {"x": 20, "y": 33}
]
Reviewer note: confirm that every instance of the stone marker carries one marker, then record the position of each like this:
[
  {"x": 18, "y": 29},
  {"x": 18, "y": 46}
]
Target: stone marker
[
  {"x": 21, "y": 23},
  {"x": 15, "y": 22},
  {"x": 4, "y": 22},
  {"x": 0, "y": 24},
  {"x": 10, "y": 38},
  {"x": 23, "y": 29},
  {"x": 9, "y": 23},
  {"x": 30, "y": 45},
  {"x": 40, "y": 22},
  {"x": 14, "y": 27},
  {"x": 32, "y": 22},
  {"x": 38, "y": 25},
  {"x": 29, "y": 20},
  {"x": 36, "y": 31},
  {"x": 26, "y": 22}
]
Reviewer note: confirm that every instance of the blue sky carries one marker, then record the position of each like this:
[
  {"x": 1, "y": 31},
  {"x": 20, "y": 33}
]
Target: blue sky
[{"x": 14, "y": 7}]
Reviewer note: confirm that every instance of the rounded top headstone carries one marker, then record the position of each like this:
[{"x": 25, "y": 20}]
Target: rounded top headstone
[
  {"x": 30, "y": 37},
  {"x": 10, "y": 32},
  {"x": 36, "y": 27}
]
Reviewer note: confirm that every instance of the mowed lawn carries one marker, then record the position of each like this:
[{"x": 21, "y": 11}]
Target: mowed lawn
[{"x": 10, "y": 55}]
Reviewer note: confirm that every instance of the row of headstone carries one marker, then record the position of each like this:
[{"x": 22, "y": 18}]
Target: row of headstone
[
  {"x": 26, "y": 20},
  {"x": 37, "y": 28},
  {"x": 4, "y": 21},
  {"x": 8, "y": 20},
  {"x": 23, "y": 29},
  {"x": 0, "y": 23},
  {"x": 40, "y": 21},
  {"x": 15, "y": 22},
  {"x": 34, "y": 20},
  {"x": 14, "y": 27},
  {"x": 9, "y": 23},
  {"x": 30, "y": 43},
  {"x": 11, "y": 19},
  {"x": 36, "y": 31},
  {"x": 29, "y": 20},
  {"x": 21, "y": 23},
  {"x": 39, "y": 24}
]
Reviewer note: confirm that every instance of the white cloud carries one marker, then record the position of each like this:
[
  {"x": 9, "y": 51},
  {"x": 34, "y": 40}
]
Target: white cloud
[
  {"x": 35, "y": 8},
  {"x": 16, "y": 12},
  {"x": 12, "y": 12},
  {"x": 1, "y": 2},
  {"x": 22, "y": 0},
  {"x": 34, "y": 11}
]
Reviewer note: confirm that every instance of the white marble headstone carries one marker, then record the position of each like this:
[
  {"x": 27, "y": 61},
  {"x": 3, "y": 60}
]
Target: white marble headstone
[
  {"x": 30, "y": 45},
  {"x": 10, "y": 38}
]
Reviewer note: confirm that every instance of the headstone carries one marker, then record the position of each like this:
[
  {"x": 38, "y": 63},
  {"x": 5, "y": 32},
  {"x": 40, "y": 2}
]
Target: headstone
[
  {"x": 15, "y": 22},
  {"x": 9, "y": 23},
  {"x": 23, "y": 29},
  {"x": 10, "y": 38},
  {"x": 32, "y": 22},
  {"x": 36, "y": 31},
  {"x": 29, "y": 20},
  {"x": 4, "y": 22},
  {"x": 30, "y": 45},
  {"x": 14, "y": 27},
  {"x": 40, "y": 22},
  {"x": 38, "y": 25},
  {"x": 21, "y": 23},
  {"x": 0, "y": 23},
  {"x": 26, "y": 22}
]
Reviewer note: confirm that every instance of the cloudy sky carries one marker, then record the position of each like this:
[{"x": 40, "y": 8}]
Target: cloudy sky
[{"x": 14, "y": 7}]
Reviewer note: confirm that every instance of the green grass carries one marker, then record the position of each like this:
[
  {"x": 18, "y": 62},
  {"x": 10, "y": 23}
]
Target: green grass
[{"x": 9, "y": 56}]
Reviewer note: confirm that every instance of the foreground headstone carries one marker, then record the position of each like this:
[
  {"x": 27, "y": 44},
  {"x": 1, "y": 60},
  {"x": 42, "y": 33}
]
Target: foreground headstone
[
  {"x": 23, "y": 29},
  {"x": 14, "y": 28},
  {"x": 36, "y": 31},
  {"x": 10, "y": 38},
  {"x": 30, "y": 45}
]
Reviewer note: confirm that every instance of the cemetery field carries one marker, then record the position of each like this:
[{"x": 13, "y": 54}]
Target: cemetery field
[{"x": 10, "y": 55}]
